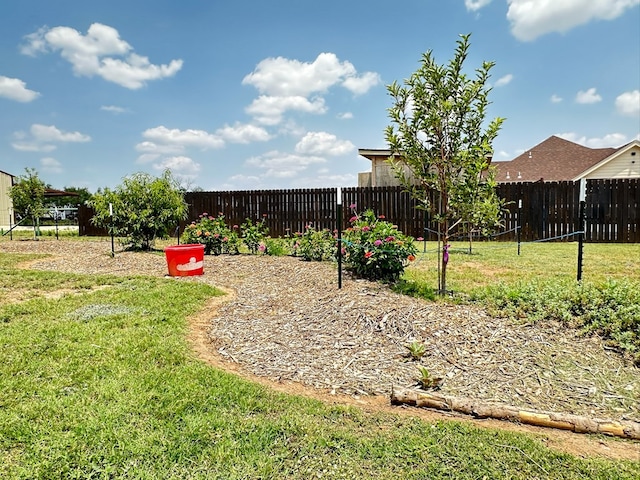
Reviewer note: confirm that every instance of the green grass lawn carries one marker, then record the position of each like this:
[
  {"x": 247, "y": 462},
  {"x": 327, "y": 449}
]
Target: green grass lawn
[
  {"x": 491, "y": 263},
  {"x": 101, "y": 383}
]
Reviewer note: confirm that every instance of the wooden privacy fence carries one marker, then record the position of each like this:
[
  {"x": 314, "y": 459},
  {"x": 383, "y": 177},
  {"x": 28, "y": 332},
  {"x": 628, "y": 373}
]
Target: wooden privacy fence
[{"x": 541, "y": 210}]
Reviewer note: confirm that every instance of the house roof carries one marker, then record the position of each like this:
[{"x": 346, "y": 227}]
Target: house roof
[{"x": 555, "y": 159}]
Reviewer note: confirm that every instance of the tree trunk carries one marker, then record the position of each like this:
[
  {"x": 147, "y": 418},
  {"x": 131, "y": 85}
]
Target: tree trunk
[{"x": 479, "y": 409}]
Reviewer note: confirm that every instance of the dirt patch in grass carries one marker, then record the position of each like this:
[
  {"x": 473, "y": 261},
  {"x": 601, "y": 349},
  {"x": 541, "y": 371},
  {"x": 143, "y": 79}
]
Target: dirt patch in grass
[{"x": 287, "y": 325}]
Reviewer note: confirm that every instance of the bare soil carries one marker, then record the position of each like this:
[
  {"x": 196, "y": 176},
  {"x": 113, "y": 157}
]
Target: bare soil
[{"x": 284, "y": 323}]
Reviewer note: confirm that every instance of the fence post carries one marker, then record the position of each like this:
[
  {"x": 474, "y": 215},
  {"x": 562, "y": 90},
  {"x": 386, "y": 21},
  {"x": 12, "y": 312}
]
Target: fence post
[
  {"x": 581, "y": 223},
  {"x": 339, "y": 221}
]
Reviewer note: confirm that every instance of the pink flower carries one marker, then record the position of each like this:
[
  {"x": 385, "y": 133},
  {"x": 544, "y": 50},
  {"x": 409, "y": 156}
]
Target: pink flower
[
  {"x": 353, "y": 219},
  {"x": 390, "y": 238},
  {"x": 225, "y": 239},
  {"x": 352, "y": 206},
  {"x": 235, "y": 227},
  {"x": 262, "y": 247},
  {"x": 216, "y": 235},
  {"x": 368, "y": 254},
  {"x": 419, "y": 239},
  {"x": 343, "y": 251},
  {"x": 366, "y": 228},
  {"x": 381, "y": 217},
  {"x": 378, "y": 242}
]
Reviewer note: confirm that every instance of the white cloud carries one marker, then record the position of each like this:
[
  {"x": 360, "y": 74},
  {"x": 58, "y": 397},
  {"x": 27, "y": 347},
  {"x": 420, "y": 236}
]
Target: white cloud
[
  {"x": 113, "y": 109},
  {"x": 531, "y": 19},
  {"x": 16, "y": 89},
  {"x": 283, "y": 77},
  {"x": 182, "y": 165},
  {"x": 505, "y": 80},
  {"x": 268, "y": 110},
  {"x": 42, "y": 138},
  {"x": 100, "y": 52},
  {"x": 473, "y": 5},
  {"x": 609, "y": 140},
  {"x": 184, "y": 169},
  {"x": 182, "y": 138},
  {"x": 345, "y": 116},
  {"x": 283, "y": 165},
  {"x": 555, "y": 98},
  {"x": 589, "y": 96},
  {"x": 628, "y": 103},
  {"x": 359, "y": 85},
  {"x": 243, "y": 133},
  {"x": 50, "y": 165},
  {"x": 323, "y": 143}
]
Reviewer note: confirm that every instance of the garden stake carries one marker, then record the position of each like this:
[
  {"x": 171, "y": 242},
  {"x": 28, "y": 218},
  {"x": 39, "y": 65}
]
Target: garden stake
[
  {"x": 581, "y": 224},
  {"x": 339, "y": 221}
]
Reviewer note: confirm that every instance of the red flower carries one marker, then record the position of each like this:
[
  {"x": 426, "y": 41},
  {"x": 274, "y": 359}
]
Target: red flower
[
  {"x": 411, "y": 258},
  {"x": 368, "y": 254}
]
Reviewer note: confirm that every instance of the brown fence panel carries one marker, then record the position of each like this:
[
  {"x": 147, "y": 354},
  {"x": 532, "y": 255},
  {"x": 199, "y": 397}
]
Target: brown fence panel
[{"x": 541, "y": 211}]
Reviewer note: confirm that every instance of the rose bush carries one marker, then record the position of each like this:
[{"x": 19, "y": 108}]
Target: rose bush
[
  {"x": 375, "y": 249},
  {"x": 315, "y": 245},
  {"x": 214, "y": 234}
]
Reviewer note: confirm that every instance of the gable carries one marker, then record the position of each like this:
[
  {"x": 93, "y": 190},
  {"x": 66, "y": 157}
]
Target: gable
[
  {"x": 554, "y": 159},
  {"x": 624, "y": 163}
]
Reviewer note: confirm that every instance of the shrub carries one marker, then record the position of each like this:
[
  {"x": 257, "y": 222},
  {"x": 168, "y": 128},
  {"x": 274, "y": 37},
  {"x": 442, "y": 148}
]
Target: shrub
[
  {"x": 142, "y": 209},
  {"x": 376, "y": 249},
  {"x": 254, "y": 234},
  {"x": 213, "y": 233},
  {"x": 610, "y": 309},
  {"x": 315, "y": 245}
]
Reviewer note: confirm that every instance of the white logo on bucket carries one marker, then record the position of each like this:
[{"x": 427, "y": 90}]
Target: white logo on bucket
[{"x": 192, "y": 265}]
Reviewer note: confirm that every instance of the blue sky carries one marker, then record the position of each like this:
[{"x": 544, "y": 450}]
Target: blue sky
[{"x": 257, "y": 95}]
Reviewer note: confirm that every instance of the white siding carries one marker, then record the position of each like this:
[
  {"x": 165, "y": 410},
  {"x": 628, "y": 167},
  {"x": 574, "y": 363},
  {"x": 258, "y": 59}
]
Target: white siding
[
  {"x": 627, "y": 165},
  {"x": 5, "y": 201}
]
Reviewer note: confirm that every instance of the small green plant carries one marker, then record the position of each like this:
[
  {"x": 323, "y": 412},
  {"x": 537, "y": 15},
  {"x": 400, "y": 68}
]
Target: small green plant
[
  {"x": 213, "y": 233},
  {"x": 416, "y": 350},
  {"x": 427, "y": 381},
  {"x": 254, "y": 234},
  {"x": 276, "y": 247},
  {"x": 375, "y": 249},
  {"x": 315, "y": 245}
]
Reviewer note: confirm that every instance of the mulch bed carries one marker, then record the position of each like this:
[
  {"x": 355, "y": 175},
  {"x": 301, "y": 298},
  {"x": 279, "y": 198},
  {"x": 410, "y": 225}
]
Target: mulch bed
[{"x": 288, "y": 321}]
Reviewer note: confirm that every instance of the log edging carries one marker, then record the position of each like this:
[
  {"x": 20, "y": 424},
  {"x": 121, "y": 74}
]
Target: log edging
[{"x": 480, "y": 409}]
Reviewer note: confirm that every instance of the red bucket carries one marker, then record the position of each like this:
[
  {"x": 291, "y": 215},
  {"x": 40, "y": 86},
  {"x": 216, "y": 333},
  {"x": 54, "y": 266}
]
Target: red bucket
[{"x": 184, "y": 260}]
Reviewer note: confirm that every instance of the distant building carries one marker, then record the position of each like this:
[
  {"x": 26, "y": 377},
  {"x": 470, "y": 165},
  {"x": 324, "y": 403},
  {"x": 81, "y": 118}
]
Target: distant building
[
  {"x": 556, "y": 159},
  {"x": 553, "y": 160},
  {"x": 6, "y": 205},
  {"x": 381, "y": 174}
]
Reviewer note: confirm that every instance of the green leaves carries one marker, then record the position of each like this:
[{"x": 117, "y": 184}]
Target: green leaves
[
  {"x": 438, "y": 138},
  {"x": 141, "y": 209}
]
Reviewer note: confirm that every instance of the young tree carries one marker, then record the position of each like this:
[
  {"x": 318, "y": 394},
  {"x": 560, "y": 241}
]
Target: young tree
[
  {"x": 27, "y": 196},
  {"x": 142, "y": 209},
  {"x": 438, "y": 140}
]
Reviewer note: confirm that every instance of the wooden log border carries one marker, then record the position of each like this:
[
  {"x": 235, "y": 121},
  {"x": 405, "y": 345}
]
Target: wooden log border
[{"x": 480, "y": 409}]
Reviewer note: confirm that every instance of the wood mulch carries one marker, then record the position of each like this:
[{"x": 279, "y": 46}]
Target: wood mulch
[{"x": 287, "y": 321}]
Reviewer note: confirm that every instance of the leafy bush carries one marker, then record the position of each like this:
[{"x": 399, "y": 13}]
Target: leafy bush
[
  {"x": 254, "y": 234},
  {"x": 376, "y": 249},
  {"x": 315, "y": 245},
  {"x": 213, "y": 233},
  {"x": 610, "y": 309},
  {"x": 142, "y": 209}
]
